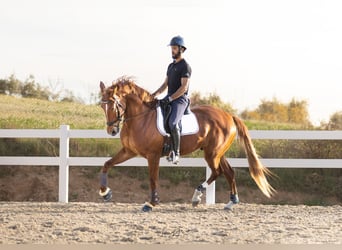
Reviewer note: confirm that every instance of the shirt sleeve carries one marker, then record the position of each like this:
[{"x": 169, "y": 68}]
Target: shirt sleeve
[{"x": 186, "y": 71}]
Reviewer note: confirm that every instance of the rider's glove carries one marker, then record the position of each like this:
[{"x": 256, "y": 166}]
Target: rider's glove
[{"x": 165, "y": 101}]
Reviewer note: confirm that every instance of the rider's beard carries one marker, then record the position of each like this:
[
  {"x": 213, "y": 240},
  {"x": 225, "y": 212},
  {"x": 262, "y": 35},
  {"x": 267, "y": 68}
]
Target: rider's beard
[{"x": 177, "y": 55}]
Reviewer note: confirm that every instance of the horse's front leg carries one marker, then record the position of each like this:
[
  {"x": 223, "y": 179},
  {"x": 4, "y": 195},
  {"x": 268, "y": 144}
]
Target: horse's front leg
[
  {"x": 123, "y": 155},
  {"x": 153, "y": 167}
]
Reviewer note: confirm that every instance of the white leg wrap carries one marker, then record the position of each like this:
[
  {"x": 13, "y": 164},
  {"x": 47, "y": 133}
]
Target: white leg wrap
[
  {"x": 229, "y": 205},
  {"x": 105, "y": 192},
  {"x": 197, "y": 196},
  {"x": 205, "y": 184}
]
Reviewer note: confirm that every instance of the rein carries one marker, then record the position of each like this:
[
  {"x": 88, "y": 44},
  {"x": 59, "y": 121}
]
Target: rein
[
  {"x": 138, "y": 115},
  {"x": 119, "y": 114}
]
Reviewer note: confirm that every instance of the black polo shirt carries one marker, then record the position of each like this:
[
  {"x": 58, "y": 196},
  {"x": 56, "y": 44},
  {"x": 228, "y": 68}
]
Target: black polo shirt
[{"x": 175, "y": 72}]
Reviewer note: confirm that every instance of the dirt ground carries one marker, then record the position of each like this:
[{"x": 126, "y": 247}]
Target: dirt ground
[
  {"x": 171, "y": 223},
  {"x": 30, "y": 214}
]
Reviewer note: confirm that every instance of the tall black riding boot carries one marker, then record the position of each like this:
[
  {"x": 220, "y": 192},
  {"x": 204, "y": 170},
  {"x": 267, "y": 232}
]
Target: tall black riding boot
[{"x": 175, "y": 135}]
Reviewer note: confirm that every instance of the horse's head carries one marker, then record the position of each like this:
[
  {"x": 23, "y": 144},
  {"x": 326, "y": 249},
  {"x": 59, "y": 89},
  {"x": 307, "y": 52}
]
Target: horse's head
[
  {"x": 114, "y": 100},
  {"x": 113, "y": 107}
]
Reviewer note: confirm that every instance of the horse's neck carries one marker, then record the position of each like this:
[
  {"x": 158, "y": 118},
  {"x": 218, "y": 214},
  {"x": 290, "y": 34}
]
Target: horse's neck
[
  {"x": 143, "y": 94},
  {"x": 135, "y": 106}
]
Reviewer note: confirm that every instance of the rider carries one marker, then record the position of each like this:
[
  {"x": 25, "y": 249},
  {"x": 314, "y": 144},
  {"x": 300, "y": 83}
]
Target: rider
[{"x": 177, "y": 82}]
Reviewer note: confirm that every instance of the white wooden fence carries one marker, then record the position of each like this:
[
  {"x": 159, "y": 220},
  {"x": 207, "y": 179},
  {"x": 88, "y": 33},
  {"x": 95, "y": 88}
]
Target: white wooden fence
[{"x": 64, "y": 161}]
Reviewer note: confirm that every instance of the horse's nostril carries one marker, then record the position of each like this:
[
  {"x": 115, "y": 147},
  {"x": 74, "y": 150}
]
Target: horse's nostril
[{"x": 115, "y": 131}]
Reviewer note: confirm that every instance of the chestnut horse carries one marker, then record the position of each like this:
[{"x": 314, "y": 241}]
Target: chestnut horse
[{"x": 125, "y": 102}]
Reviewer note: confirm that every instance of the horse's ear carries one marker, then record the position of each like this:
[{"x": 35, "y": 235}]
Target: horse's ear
[{"x": 102, "y": 86}]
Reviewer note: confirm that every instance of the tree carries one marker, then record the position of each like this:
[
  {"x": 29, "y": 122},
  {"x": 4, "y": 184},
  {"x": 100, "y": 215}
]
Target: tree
[
  {"x": 55, "y": 89},
  {"x": 70, "y": 97},
  {"x": 213, "y": 99},
  {"x": 297, "y": 112},
  {"x": 3, "y": 86},
  {"x": 335, "y": 122},
  {"x": 13, "y": 85},
  {"x": 31, "y": 89},
  {"x": 275, "y": 111},
  {"x": 10, "y": 86},
  {"x": 28, "y": 89}
]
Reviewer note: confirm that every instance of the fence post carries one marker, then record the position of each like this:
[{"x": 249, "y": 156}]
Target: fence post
[
  {"x": 63, "y": 178},
  {"x": 210, "y": 192}
]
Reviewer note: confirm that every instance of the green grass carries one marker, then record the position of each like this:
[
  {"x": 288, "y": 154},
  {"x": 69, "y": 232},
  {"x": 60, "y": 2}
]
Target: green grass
[
  {"x": 33, "y": 113},
  {"x": 263, "y": 125},
  {"x": 27, "y": 113}
]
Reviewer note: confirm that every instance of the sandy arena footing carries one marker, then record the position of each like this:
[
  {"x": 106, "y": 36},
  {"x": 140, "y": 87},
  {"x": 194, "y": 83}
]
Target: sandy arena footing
[{"x": 121, "y": 223}]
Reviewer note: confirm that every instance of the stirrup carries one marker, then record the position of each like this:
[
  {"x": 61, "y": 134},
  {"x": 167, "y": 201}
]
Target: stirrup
[
  {"x": 169, "y": 158},
  {"x": 173, "y": 157}
]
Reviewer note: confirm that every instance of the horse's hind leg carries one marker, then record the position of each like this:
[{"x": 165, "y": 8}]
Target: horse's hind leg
[
  {"x": 153, "y": 168},
  {"x": 216, "y": 171},
  {"x": 230, "y": 176}
]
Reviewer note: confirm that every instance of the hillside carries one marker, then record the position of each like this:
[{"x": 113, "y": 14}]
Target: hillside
[
  {"x": 309, "y": 186},
  {"x": 34, "y": 113}
]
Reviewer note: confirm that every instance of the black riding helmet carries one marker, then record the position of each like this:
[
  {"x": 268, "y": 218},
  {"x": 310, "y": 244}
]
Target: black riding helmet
[{"x": 178, "y": 41}]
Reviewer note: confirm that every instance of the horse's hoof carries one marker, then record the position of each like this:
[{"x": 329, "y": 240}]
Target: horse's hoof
[
  {"x": 147, "y": 207},
  {"x": 196, "y": 198},
  {"x": 195, "y": 203},
  {"x": 229, "y": 206},
  {"x": 106, "y": 195}
]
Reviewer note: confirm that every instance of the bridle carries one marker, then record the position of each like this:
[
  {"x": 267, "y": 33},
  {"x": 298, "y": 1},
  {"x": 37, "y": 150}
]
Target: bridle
[
  {"x": 117, "y": 107},
  {"x": 120, "y": 110}
]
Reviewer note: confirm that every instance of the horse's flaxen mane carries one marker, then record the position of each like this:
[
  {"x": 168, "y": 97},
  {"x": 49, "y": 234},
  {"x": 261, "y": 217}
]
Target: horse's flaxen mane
[{"x": 126, "y": 85}]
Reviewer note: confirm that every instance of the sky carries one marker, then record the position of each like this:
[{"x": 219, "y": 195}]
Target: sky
[{"x": 244, "y": 51}]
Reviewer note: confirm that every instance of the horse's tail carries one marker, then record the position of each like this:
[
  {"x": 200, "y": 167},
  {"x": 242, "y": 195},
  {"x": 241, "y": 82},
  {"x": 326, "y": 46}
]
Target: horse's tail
[{"x": 256, "y": 169}]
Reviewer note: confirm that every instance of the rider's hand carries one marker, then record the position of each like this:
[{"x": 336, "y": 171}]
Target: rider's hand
[{"x": 165, "y": 101}]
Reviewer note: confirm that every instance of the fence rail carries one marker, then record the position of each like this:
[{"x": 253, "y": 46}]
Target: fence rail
[{"x": 64, "y": 161}]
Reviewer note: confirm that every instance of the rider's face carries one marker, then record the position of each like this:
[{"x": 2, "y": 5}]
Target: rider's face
[{"x": 176, "y": 52}]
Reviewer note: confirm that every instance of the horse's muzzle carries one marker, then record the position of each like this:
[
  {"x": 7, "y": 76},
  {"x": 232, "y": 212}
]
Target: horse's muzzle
[{"x": 113, "y": 130}]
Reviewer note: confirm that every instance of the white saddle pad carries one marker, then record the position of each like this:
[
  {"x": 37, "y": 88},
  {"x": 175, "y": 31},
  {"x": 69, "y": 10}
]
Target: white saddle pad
[{"x": 189, "y": 124}]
